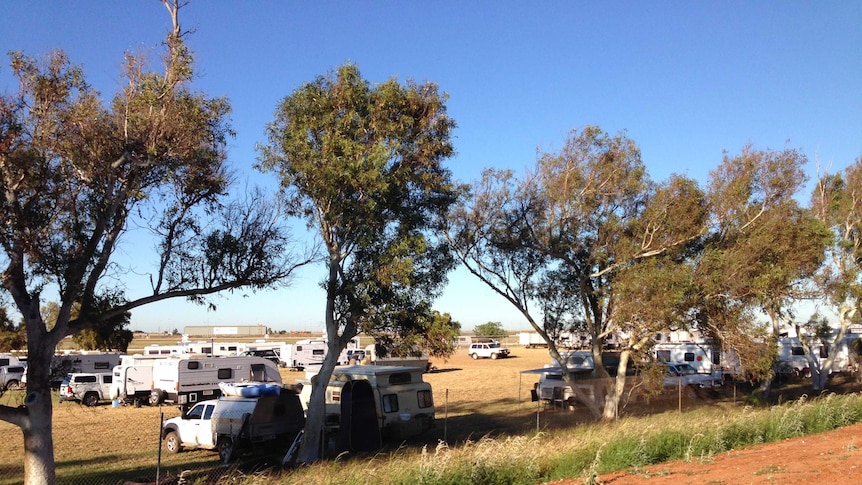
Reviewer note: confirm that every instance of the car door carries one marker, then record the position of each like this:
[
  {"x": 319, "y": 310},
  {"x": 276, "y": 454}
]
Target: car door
[{"x": 204, "y": 431}]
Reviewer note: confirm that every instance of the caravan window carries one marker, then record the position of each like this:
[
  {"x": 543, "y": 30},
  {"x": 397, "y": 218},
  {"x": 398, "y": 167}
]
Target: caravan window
[
  {"x": 797, "y": 351},
  {"x": 663, "y": 355},
  {"x": 3, "y": 362},
  {"x": 399, "y": 378},
  {"x": 101, "y": 365},
  {"x": 193, "y": 364},
  {"x": 317, "y": 352},
  {"x": 688, "y": 357},
  {"x": 824, "y": 351},
  {"x": 390, "y": 403},
  {"x": 424, "y": 399},
  {"x": 225, "y": 374},
  {"x": 258, "y": 372}
]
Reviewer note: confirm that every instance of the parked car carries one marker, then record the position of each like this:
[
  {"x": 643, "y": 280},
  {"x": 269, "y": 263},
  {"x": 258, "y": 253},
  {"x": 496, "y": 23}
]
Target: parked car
[
  {"x": 268, "y": 354},
  {"x": 11, "y": 376},
  {"x": 491, "y": 350},
  {"x": 88, "y": 388},
  {"x": 686, "y": 375}
]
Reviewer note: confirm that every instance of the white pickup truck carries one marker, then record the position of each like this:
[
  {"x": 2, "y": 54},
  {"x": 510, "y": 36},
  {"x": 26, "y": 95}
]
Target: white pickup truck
[{"x": 232, "y": 423}]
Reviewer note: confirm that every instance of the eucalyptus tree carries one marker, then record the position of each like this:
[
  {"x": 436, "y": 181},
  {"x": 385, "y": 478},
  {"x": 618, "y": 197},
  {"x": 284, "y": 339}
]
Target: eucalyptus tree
[
  {"x": 77, "y": 176},
  {"x": 557, "y": 243},
  {"x": 363, "y": 165},
  {"x": 837, "y": 202},
  {"x": 762, "y": 250}
]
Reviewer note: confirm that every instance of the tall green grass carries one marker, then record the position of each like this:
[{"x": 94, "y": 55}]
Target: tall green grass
[{"x": 585, "y": 451}]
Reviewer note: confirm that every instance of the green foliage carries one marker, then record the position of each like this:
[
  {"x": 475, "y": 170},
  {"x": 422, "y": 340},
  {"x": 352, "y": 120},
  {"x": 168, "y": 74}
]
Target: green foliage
[
  {"x": 489, "y": 329},
  {"x": 12, "y": 337}
]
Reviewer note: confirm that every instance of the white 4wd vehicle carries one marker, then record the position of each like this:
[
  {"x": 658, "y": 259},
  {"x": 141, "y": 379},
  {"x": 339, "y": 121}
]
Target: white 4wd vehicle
[
  {"x": 491, "y": 350},
  {"x": 89, "y": 388}
]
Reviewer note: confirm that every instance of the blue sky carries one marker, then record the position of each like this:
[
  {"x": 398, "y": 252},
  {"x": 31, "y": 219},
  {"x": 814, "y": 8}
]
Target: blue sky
[{"x": 685, "y": 80}]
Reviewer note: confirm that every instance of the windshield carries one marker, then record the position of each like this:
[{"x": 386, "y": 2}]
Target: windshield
[{"x": 685, "y": 370}]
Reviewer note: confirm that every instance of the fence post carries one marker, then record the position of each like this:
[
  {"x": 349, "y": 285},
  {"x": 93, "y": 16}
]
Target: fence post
[{"x": 159, "y": 461}]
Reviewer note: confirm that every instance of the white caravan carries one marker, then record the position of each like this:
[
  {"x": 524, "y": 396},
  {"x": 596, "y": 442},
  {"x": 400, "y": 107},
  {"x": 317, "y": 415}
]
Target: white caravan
[
  {"x": 133, "y": 378},
  {"x": 792, "y": 358},
  {"x": 185, "y": 380},
  {"x": 84, "y": 362},
  {"x": 309, "y": 353},
  {"x": 8, "y": 359}
]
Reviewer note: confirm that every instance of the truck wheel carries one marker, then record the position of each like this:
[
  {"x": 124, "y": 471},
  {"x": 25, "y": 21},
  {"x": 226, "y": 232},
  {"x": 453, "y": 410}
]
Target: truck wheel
[
  {"x": 475, "y": 356},
  {"x": 494, "y": 356},
  {"x": 12, "y": 385},
  {"x": 90, "y": 399},
  {"x": 156, "y": 397},
  {"x": 225, "y": 450},
  {"x": 172, "y": 442}
]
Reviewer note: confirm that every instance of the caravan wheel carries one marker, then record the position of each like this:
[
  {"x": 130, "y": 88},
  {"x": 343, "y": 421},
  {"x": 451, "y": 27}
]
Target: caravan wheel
[
  {"x": 156, "y": 397},
  {"x": 225, "y": 450}
]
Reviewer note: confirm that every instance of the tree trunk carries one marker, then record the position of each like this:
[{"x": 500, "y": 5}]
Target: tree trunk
[
  {"x": 312, "y": 439},
  {"x": 615, "y": 389},
  {"x": 819, "y": 378},
  {"x": 39, "y": 466}
]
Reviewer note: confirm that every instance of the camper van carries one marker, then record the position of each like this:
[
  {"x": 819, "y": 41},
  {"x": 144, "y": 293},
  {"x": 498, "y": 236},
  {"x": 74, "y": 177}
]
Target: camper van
[
  {"x": 395, "y": 398},
  {"x": 185, "y": 380}
]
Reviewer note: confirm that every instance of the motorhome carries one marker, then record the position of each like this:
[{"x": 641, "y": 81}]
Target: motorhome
[
  {"x": 185, "y": 380},
  {"x": 394, "y": 397}
]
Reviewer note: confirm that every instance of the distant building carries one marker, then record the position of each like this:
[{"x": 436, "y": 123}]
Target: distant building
[{"x": 225, "y": 331}]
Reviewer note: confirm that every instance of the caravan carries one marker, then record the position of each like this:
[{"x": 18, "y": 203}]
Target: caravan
[
  {"x": 185, "y": 380},
  {"x": 69, "y": 363},
  {"x": 133, "y": 378},
  {"x": 309, "y": 353}
]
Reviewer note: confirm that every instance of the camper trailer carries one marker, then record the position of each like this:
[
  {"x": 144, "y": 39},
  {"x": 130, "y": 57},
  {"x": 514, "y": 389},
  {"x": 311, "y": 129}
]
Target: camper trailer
[
  {"x": 395, "y": 398},
  {"x": 185, "y": 380}
]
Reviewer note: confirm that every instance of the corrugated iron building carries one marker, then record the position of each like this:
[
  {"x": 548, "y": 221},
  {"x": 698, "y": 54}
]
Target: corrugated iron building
[{"x": 225, "y": 330}]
